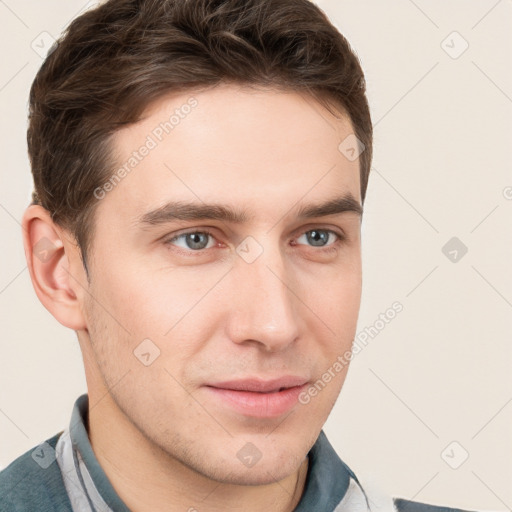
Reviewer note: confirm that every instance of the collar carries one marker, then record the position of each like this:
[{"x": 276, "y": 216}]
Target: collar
[{"x": 89, "y": 488}]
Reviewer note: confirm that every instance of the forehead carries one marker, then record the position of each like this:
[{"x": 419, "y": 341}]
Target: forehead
[{"x": 256, "y": 149}]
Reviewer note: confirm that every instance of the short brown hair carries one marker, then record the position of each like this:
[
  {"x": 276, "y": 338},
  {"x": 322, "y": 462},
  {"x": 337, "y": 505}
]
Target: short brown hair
[{"x": 111, "y": 62}]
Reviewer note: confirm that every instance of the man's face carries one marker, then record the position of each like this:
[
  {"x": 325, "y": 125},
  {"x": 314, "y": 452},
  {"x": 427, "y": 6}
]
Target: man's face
[{"x": 195, "y": 335}]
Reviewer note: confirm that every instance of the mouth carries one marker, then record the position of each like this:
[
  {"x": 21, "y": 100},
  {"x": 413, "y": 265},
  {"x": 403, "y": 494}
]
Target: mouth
[{"x": 257, "y": 397}]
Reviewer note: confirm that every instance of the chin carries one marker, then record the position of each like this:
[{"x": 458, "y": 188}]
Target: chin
[{"x": 261, "y": 474}]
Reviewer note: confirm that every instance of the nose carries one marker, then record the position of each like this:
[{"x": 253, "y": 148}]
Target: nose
[{"x": 264, "y": 311}]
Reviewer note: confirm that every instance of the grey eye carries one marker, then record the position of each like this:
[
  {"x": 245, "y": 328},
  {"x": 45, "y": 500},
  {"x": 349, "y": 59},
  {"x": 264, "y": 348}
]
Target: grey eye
[
  {"x": 196, "y": 240},
  {"x": 318, "y": 237}
]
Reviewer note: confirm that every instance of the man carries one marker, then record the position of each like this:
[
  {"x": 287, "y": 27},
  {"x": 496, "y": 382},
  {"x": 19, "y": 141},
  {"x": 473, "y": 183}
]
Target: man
[{"x": 200, "y": 170}]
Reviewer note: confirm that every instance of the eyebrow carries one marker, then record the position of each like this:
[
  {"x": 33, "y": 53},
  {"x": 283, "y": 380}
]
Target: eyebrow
[{"x": 179, "y": 210}]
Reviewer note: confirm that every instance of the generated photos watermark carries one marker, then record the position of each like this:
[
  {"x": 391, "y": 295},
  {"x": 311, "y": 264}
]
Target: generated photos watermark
[
  {"x": 152, "y": 140},
  {"x": 360, "y": 341}
]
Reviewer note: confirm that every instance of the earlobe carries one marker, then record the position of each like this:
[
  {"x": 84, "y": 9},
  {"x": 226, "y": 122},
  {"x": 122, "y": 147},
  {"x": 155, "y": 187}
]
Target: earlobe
[{"x": 51, "y": 260}]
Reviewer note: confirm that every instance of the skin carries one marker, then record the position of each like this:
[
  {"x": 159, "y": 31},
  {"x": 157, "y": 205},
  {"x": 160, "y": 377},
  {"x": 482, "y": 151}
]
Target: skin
[{"x": 212, "y": 315}]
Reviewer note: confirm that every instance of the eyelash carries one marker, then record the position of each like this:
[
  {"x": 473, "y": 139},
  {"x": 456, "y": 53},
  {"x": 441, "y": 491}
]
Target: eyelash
[{"x": 334, "y": 247}]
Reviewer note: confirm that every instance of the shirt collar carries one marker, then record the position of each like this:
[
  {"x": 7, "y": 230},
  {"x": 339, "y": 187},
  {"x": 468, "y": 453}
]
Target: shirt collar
[
  {"x": 326, "y": 485},
  {"x": 328, "y": 478},
  {"x": 80, "y": 440}
]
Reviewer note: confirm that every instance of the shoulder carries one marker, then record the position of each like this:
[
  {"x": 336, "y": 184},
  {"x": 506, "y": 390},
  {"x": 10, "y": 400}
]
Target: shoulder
[
  {"x": 359, "y": 497},
  {"x": 34, "y": 482},
  {"x": 403, "y": 505}
]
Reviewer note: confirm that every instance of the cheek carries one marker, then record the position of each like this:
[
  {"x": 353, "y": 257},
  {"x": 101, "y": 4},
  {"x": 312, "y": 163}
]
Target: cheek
[
  {"x": 143, "y": 302},
  {"x": 172, "y": 308},
  {"x": 337, "y": 299}
]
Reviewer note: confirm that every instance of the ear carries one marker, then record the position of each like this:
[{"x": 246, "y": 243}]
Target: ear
[{"x": 55, "y": 267}]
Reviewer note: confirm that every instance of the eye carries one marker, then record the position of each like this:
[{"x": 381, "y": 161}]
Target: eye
[
  {"x": 198, "y": 241},
  {"x": 193, "y": 240},
  {"x": 321, "y": 237}
]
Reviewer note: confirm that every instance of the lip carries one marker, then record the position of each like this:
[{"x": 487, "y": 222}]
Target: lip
[{"x": 258, "y": 397}]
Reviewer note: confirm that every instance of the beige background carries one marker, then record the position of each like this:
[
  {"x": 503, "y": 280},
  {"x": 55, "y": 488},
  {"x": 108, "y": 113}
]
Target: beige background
[{"x": 440, "y": 371}]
